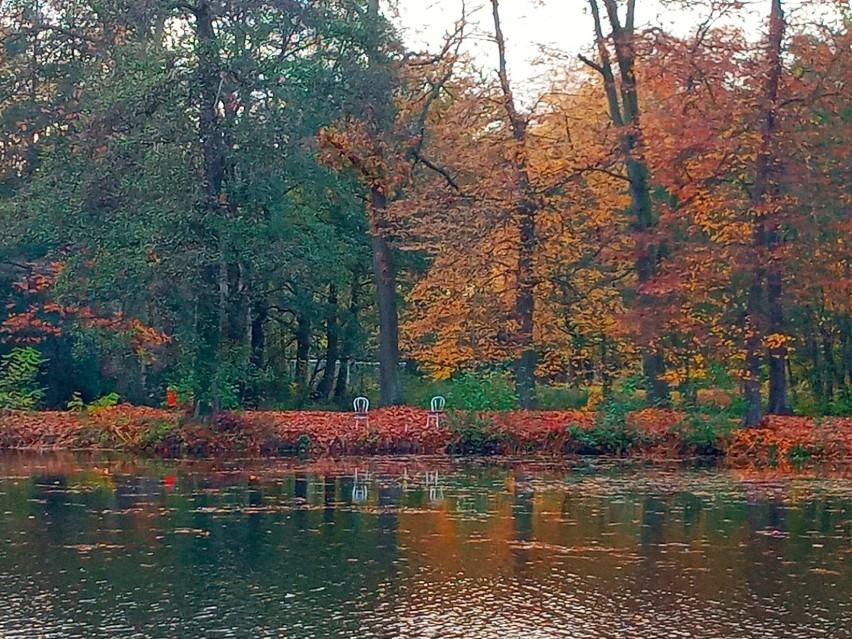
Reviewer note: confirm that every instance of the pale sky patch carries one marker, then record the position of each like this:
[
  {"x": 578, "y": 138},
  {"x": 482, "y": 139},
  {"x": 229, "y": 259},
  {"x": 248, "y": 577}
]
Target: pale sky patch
[{"x": 551, "y": 30}]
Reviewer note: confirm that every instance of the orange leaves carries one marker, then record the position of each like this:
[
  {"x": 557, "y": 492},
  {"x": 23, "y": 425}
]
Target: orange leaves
[
  {"x": 44, "y": 316},
  {"x": 786, "y": 439}
]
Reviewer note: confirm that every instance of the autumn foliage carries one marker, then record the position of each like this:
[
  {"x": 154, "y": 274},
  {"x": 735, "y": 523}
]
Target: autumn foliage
[{"x": 253, "y": 203}]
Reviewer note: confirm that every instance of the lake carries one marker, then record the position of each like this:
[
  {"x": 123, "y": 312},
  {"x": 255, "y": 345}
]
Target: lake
[{"x": 420, "y": 547}]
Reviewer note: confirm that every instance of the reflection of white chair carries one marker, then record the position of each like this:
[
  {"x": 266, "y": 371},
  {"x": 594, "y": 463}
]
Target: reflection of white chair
[
  {"x": 436, "y": 409},
  {"x": 436, "y": 491},
  {"x": 359, "y": 489},
  {"x": 362, "y": 409}
]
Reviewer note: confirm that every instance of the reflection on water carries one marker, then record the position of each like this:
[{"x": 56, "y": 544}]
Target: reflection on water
[{"x": 413, "y": 548}]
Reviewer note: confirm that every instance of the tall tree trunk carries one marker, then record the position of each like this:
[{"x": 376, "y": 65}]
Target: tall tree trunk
[
  {"x": 626, "y": 116},
  {"x": 525, "y": 219},
  {"x": 751, "y": 374},
  {"x": 209, "y": 314},
  {"x": 525, "y": 365},
  {"x": 332, "y": 338},
  {"x": 763, "y": 242},
  {"x": 390, "y": 378}
]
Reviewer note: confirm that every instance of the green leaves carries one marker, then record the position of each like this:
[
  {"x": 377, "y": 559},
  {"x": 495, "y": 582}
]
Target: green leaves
[{"x": 18, "y": 371}]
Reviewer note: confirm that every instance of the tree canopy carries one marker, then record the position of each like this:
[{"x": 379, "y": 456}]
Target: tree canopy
[{"x": 244, "y": 200}]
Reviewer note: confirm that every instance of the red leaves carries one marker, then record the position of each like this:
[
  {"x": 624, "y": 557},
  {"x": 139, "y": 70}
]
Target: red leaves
[
  {"x": 396, "y": 430},
  {"x": 786, "y": 439}
]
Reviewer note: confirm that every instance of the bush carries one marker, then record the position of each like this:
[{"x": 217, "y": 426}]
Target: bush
[
  {"x": 18, "y": 372},
  {"x": 466, "y": 391},
  {"x": 561, "y": 397},
  {"x": 76, "y": 403},
  {"x": 704, "y": 434},
  {"x": 473, "y": 435},
  {"x": 610, "y": 433},
  {"x": 603, "y": 439}
]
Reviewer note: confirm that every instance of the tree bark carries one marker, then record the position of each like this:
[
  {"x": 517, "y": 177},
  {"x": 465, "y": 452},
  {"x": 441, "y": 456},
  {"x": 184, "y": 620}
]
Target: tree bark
[
  {"x": 525, "y": 219},
  {"x": 390, "y": 379},
  {"x": 830, "y": 367}
]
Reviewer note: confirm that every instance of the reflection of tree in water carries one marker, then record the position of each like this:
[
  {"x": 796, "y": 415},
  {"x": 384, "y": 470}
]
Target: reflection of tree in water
[
  {"x": 523, "y": 505},
  {"x": 329, "y": 500},
  {"x": 262, "y": 568},
  {"x": 297, "y": 554},
  {"x": 523, "y": 501},
  {"x": 653, "y": 521}
]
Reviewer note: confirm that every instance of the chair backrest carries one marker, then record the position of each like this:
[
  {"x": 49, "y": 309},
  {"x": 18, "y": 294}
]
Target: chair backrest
[
  {"x": 437, "y": 404},
  {"x": 361, "y": 405}
]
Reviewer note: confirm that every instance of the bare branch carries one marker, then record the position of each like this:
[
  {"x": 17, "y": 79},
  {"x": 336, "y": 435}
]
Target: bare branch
[
  {"x": 517, "y": 123},
  {"x": 606, "y": 67},
  {"x": 443, "y": 171},
  {"x": 592, "y": 64}
]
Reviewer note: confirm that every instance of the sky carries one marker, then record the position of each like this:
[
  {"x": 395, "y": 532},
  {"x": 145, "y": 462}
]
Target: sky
[{"x": 533, "y": 26}]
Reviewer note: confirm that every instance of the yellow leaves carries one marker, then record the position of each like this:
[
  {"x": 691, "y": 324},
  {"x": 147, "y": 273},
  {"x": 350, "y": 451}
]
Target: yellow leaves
[{"x": 776, "y": 340}]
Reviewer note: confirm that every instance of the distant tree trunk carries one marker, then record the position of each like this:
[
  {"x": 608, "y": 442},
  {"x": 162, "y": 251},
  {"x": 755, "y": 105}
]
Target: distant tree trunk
[
  {"x": 626, "y": 116},
  {"x": 843, "y": 365},
  {"x": 525, "y": 218},
  {"x": 209, "y": 314},
  {"x": 779, "y": 401},
  {"x": 332, "y": 338},
  {"x": 764, "y": 241},
  {"x": 812, "y": 349},
  {"x": 303, "y": 352},
  {"x": 390, "y": 379},
  {"x": 257, "y": 338},
  {"x": 256, "y": 314},
  {"x": 348, "y": 342},
  {"x": 830, "y": 366}
]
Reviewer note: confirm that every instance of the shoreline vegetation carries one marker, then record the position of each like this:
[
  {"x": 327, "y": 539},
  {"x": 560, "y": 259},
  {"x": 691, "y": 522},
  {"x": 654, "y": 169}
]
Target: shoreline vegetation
[{"x": 649, "y": 432}]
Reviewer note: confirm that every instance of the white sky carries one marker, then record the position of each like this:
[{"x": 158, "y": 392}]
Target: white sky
[{"x": 531, "y": 26}]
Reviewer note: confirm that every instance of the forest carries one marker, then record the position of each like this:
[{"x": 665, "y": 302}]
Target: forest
[{"x": 280, "y": 204}]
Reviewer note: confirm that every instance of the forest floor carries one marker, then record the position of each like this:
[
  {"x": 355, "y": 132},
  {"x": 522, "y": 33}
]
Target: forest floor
[{"x": 405, "y": 430}]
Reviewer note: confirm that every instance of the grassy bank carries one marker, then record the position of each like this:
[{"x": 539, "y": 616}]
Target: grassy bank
[{"x": 403, "y": 430}]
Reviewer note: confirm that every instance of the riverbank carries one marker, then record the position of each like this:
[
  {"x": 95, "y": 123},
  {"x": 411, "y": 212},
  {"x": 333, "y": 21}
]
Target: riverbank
[{"x": 406, "y": 430}]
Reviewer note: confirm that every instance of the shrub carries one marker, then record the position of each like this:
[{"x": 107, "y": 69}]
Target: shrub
[
  {"x": 561, "y": 397},
  {"x": 704, "y": 434},
  {"x": 474, "y": 435},
  {"x": 76, "y": 403},
  {"x": 601, "y": 439},
  {"x": 18, "y": 372},
  {"x": 493, "y": 391}
]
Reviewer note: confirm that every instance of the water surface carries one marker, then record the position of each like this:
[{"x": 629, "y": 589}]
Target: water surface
[{"x": 420, "y": 547}]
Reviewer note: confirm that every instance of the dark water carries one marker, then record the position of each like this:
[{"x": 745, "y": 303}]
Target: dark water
[{"x": 522, "y": 549}]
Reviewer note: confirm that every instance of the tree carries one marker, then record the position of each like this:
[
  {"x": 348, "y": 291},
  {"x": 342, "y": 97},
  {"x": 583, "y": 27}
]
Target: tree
[
  {"x": 623, "y": 104},
  {"x": 525, "y": 214},
  {"x": 381, "y": 149}
]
